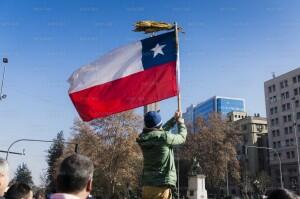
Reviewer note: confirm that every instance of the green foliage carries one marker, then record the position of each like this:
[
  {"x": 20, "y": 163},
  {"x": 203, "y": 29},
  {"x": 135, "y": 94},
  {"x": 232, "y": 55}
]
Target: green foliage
[
  {"x": 54, "y": 153},
  {"x": 23, "y": 175}
]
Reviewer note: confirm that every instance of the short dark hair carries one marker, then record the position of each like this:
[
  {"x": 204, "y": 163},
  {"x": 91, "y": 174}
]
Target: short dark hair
[
  {"x": 74, "y": 173},
  {"x": 17, "y": 191},
  {"x": 281, "y": 194}
]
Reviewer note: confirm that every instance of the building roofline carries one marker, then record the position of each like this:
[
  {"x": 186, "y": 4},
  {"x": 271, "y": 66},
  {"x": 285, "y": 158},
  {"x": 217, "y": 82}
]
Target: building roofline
[
  {"x": 216, "y": 97},
  {"x": 282, "y": 75}
]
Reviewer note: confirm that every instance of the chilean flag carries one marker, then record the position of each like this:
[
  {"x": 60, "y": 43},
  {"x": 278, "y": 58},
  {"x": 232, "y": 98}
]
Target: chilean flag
[{"x": 131, "y": 76}]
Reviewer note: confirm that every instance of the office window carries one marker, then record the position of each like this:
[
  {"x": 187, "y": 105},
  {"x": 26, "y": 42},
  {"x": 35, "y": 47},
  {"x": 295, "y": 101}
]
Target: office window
[
  {"x": 296, "y": 91},
  {"x": 278, "y": 132},
  {"x": 292, "y": 141},
  {"x": 274, "y": 144},
  {"x": 278, "y": 144},
  {"x": 288, "y": 106},
  {"x": 298, "y": 78},
  {"x": 287, "y": 95},
  {"x": 273, "y": 133},
  {"x": 271, "y": 111},
  {"x": 283, "y": 107},
  {"x": 275, "y": 109},
  {"x": 282, "y": 95},
  {"x": 293, "y": 154},
  {"x": 290, "y": 129},
  {"x": 281, "y": 84},
  {"x": 298, "y": 127},
  {"x": 288, "y": 155},
  {"x": 286, "y": 83},
  {"x": 274, "y": 88},
  {"x": 294, "y": 80},
  {"x": 284, "y": 118},
  {"x": 270, "y": 89},
  {"x": 297, "y": 103},
  {"x": 289, "y": 118},
  {"x": 286, "y": 130},
  {"x": 287, "y": 142},
  {"x": 272, "y": 122},
  {"x": 298, "y": 115},
  {"x": 276, "y": 121}
]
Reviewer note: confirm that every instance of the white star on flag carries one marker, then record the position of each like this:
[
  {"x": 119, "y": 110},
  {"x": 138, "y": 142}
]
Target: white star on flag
[{"x": 158, "y": 50}]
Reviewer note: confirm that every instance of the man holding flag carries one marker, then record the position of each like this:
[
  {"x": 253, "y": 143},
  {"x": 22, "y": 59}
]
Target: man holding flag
[
  {"x": 128, "y": 77},
  {"x": 156, "y": 142}
]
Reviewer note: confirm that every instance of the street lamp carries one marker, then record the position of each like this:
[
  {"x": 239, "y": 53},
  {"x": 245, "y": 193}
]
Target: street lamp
[
  {"x": 296, "y": 140},
  {"x": 3, "y": 96},
  {"x": 33, "y": 140},
  {"x": 15, "y": 153},
  {"x": 277, "y": 154}
]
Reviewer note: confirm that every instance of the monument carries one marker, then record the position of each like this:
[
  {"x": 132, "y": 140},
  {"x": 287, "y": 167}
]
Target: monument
[{"x": 196, "y": 182}]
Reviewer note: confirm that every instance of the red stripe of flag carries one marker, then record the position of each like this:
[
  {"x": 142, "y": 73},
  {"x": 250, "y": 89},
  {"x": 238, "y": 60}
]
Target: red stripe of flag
[{"x": 133, "y": 91}]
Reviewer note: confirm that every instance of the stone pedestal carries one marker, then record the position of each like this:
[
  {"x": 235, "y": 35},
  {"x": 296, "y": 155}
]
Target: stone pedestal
[{"x": 196, "y": 187}]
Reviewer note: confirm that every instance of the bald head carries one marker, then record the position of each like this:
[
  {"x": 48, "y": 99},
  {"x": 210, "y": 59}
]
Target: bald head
[{"x": 4, "y": 175}]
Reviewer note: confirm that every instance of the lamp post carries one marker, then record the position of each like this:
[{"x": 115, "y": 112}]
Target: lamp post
[
  {"x": 277, "y": 154},
  {"x": 4, "y": 61},
  {"x": 34, "y": 140},
  {"x": 296, "y": 141},
  {"x": 15, "y": 153}
]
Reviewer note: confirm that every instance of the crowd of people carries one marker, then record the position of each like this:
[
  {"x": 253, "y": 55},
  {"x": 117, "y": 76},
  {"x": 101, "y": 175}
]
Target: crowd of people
[
  {"x": 74, "y": 181},
  {"x": 74, "y": 178}
]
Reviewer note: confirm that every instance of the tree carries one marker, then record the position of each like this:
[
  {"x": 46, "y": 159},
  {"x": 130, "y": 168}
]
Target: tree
[
  {"x": 54, "y": 153},
  {"x": 262, "y": 181},
  {"x": 214, "y": 145},
  {"x": 23, "y": 175},
  {"x": 111, "y": 143}
]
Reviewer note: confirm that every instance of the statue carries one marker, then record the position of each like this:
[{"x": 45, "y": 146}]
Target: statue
[{"x": 195, "y": 168}]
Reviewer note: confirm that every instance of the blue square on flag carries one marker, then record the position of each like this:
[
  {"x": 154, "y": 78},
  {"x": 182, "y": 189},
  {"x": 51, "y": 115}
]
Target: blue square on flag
[{"x": 159, "y": 50}]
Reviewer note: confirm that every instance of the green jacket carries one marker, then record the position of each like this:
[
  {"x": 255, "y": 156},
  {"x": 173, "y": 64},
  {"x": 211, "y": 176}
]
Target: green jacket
[{"x": 157, "y": 147}]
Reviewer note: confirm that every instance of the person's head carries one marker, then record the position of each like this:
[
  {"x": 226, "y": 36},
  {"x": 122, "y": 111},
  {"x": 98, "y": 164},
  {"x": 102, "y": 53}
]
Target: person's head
[
  {"x": 19, "y": 191},
  {"x": 75, "y": 176},
  {"x": 4, "y": 176},
  {"x": 39, "y": 194},
  {"x": 152, "y": 119},
  {"x": 281, "y": 194}
]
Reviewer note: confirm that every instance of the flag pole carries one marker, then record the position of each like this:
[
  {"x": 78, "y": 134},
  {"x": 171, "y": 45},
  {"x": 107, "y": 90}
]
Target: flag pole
[{"x": 178, "y": 68}]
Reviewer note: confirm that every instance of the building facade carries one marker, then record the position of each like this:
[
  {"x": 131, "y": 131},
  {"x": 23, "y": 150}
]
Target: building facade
[
  {"x": 252, "y": 151},
  {"x": 254, "y": 132},
  {"x": 216, "y": 104},
  {"x": 282, "y": 95}
]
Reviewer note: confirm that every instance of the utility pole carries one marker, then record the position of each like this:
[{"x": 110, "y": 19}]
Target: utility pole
[{"x": 296, "y": 141}]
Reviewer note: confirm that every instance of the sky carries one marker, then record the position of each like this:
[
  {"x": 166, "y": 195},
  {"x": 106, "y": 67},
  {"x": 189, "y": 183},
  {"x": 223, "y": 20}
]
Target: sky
[{"x": 229, "y": 48}]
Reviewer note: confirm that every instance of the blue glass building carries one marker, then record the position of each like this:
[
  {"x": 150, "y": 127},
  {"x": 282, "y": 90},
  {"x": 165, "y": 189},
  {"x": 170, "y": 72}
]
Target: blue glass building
[{"x": 218, "y": 104}]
